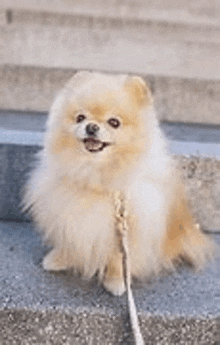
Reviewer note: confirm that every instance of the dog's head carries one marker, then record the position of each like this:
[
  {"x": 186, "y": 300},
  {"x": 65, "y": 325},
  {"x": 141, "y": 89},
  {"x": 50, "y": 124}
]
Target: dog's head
[{"x": 100, "y": 118}]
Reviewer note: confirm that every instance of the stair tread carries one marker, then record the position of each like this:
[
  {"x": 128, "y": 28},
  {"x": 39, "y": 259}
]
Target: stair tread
[{"x": 24, "y": 284}]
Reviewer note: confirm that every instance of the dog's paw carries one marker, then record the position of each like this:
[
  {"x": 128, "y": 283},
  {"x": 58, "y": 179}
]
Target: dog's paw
[
  {"x": 54, "y": 261},
  {"x": 114, "y": 285}
]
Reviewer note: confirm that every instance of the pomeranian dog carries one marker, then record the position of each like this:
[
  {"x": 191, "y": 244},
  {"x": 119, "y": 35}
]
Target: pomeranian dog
[{"x": 102, "y": 137}]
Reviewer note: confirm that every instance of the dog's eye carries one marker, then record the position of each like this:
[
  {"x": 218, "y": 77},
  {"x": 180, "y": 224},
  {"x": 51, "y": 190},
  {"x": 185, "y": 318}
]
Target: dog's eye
[
  {"x": 115, "y": 123},
  {"x": 80, "y": 118}
]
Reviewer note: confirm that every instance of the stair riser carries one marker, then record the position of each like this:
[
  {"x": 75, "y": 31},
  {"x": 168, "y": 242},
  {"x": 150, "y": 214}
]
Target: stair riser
[
  {"x": 116, "y": 45},
  {"x": 176, "y": 99},
  {"x": 138, "y": 8},
  {"x": 201, "y": 177}
]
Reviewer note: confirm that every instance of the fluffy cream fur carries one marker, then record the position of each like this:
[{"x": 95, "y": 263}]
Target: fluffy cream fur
[{"x": 70, "y": 191}]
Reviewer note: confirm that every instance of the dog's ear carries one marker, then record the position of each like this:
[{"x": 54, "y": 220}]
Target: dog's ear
[
  {"x": 78, "y": 79},
  {"x": 139, "y": 91}
]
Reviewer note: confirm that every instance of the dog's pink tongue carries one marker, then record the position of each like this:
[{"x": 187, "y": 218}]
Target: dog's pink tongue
[{"x": 93, "y": 144}]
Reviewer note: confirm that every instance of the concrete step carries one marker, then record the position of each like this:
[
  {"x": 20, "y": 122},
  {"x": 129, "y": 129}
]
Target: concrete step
[
  {"x": 112, "y": 44},
  {"x": 176, "y": 99},
  {"x": 38, "y": 307},
  {"x": 180, "y": 58},
  {"x": 196, "y": 148},
  {"x": 176, "y": 10}
]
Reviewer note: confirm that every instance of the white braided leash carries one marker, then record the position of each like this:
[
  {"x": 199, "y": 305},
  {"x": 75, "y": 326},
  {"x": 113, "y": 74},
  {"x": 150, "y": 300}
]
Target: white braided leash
[{"x": 122, "y": 231}]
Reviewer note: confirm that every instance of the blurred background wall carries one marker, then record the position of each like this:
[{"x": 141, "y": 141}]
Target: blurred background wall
[{"x": 172, "y": 44}]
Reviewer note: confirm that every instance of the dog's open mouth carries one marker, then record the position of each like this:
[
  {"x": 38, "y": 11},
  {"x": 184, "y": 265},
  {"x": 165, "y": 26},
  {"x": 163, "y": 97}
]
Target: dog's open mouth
[{"x": 94, "y": 145}]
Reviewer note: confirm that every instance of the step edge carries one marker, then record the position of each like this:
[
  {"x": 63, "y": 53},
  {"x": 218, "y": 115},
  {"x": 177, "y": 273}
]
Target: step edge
[{"x": 184, "y": 148}]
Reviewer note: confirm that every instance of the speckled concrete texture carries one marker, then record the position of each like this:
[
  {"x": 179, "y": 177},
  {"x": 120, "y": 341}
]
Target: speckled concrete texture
[
  {"x": 202, "y": 180},
  {"x": 38, "y": 307},
  {"x": 57, "y": 328}
]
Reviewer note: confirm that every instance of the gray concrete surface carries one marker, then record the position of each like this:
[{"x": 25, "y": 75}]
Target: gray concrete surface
[
  {"x": 38, "y": 307},
  {"x": 201, "y": 178},
  {"x": 23, "y": 121},
  {"x": 28, "y": 88},
  {"x": 182, "y": 10},
  {"x": 15, "y": 162},
  {"x": 42, "y": 46},
  {"x": 112, "y": 44}
]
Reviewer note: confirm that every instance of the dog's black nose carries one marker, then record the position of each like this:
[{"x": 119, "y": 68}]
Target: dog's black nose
[{"x": 92, "y": 128}]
